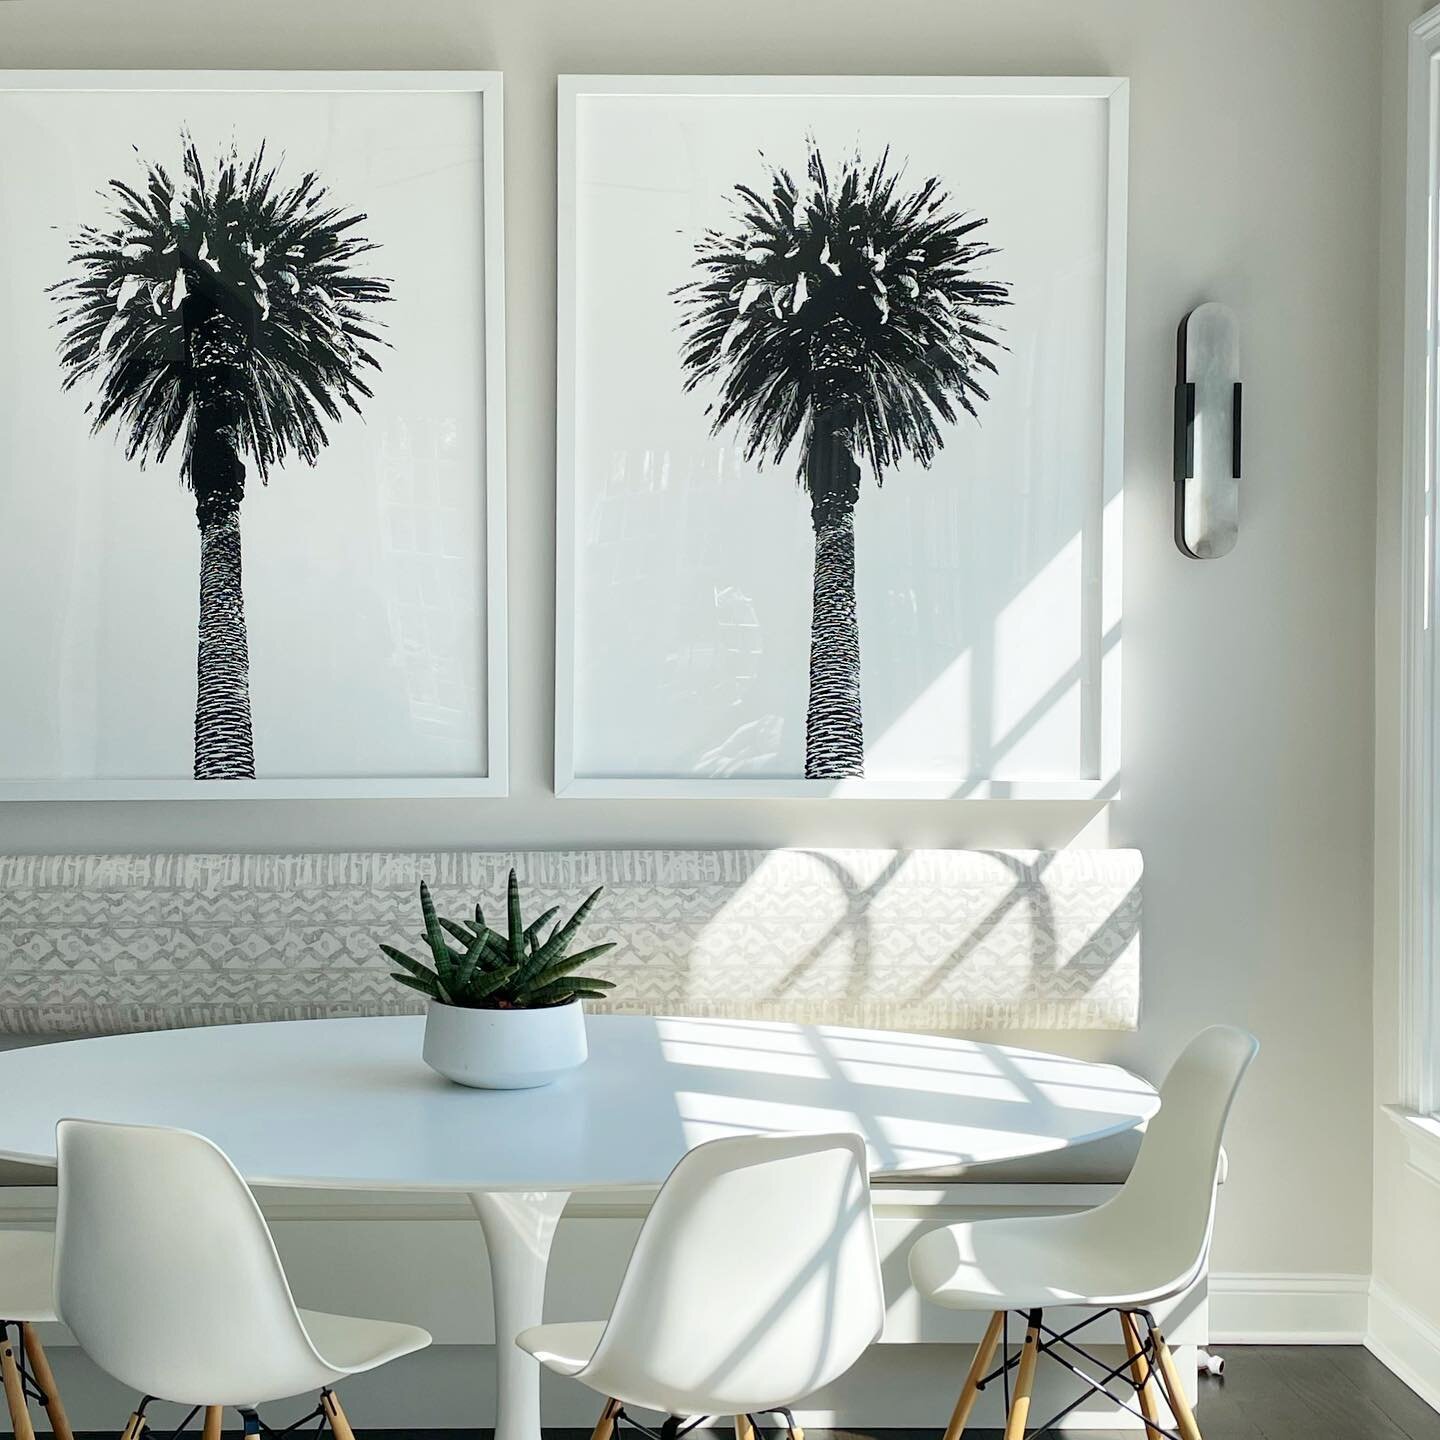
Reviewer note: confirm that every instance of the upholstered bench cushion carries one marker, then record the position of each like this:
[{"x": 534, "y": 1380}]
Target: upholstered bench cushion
[{"x": 944, "y": 940}]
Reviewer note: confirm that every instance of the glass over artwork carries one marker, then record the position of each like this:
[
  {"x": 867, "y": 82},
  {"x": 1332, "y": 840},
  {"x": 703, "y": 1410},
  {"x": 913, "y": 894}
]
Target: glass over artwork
[
  {"x": 243, "y": 510},
  {"x": 839, "y": 470}
]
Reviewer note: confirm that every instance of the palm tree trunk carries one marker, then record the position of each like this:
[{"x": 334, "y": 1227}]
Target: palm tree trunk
[
  {"x": 215, "y": 350},
  {"x": 224, "y": 745},
  {"x": 834, "y": 726}
]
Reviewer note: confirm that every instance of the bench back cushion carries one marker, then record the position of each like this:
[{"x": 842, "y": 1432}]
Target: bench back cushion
[{"x": 921, "y": 939}]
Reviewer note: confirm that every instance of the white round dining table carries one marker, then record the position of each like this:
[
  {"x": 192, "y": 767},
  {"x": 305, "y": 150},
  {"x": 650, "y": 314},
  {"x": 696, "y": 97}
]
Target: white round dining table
[{"x": 349, "y": 1104}]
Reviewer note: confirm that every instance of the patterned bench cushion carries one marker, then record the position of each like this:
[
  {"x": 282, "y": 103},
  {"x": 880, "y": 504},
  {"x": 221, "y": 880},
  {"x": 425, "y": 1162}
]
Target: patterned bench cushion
[{"x": 923, "y": 939}]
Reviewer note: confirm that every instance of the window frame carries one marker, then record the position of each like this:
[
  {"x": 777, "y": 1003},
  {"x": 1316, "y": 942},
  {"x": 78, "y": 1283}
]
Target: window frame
[{"x": 1419, "y": 971}]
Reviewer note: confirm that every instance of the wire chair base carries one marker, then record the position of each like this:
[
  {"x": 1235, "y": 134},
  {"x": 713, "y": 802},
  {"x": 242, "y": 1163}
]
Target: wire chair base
[{"x": 1052, "y": 1341}]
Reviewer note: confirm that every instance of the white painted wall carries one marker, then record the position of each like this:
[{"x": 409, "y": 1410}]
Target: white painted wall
[{"x": 1248, "y": 708}]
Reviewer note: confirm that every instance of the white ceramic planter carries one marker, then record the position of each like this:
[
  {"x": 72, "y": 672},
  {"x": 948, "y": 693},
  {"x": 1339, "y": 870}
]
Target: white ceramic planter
[{"x": 505, "y": 1049}]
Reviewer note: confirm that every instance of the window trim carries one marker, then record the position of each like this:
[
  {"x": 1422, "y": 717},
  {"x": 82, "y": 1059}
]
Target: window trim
[{"x": 1419, "y": 970}]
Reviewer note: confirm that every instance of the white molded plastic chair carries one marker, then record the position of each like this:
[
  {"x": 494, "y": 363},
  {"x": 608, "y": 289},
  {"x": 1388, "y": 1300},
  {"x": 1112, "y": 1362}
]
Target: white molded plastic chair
[
  {"x": 166, "y": 1273},
  {"x": 755, "y": 1280},
  {"x": 1148, "y": 1243},
  {"x": 27, "y": 1299}
]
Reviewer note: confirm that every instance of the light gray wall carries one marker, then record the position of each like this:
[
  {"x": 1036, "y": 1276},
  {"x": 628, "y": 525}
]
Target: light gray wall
[{"x": 1248, "y": 725}]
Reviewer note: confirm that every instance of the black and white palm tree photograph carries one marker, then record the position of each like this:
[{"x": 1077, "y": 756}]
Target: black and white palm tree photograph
[
  {"x": 251, "y": 395},
  {"x": 842, "y": 375},
  {"x": 226, "y": 311},
  {"x": 842, "y": 320}
]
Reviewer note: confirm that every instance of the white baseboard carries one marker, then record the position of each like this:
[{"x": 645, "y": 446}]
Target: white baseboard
[
  {"x": 1404, "y": 1342},
  {"x": 1328, "y": 1310},
  {"x": 1288, "y": 1309}
]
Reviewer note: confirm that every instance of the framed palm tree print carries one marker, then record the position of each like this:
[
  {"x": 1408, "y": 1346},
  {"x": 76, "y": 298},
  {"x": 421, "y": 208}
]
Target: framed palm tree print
[
  {"x": 839, "y": 441},
  {"x": 252, "y": 505}
]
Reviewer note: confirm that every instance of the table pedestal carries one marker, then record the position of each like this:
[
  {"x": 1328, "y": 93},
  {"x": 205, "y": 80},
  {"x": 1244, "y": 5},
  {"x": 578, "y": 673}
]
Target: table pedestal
[{"x": 519, "y": 1226}]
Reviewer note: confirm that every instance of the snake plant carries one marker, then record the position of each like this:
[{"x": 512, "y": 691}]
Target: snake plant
[{"x": 478, "y": 968}]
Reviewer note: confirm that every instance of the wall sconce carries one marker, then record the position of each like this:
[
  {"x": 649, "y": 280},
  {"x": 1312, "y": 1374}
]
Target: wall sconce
[{"x": 1207, "y": 433}]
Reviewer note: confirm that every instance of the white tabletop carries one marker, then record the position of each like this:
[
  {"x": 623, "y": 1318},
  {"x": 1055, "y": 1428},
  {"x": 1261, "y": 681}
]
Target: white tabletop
[{"x": 349, "y": 1103}]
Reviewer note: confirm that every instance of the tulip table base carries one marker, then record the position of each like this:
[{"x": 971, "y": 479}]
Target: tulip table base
[{"x": 519, "y": 1227}]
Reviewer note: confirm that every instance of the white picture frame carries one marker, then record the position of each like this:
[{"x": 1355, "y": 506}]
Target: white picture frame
[
  {"x": 488, "y": 673},
  {"x": 1100, "y": 646}
]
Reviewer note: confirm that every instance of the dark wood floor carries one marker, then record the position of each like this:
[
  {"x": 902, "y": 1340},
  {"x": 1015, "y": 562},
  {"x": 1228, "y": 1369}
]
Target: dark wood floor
[
  {"x": 1299, "y": 1392},
  {"x": 1311, "y": 1392},
  {"x": 1302, "y": 1392}
]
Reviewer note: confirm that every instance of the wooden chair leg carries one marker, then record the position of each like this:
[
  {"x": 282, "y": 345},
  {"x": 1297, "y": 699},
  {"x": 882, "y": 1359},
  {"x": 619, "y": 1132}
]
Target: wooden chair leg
[
  {"x": 796, "y": 1432},
  {"x": 14, "y": 1390},
  {"x": 971, "y": 1388},
  {"x": 134, "y": 1426},
  {"x": 1174, "y": 1390},
  {"x": 214, "y": 1422},
  {"x": 1024, "y": 1381},
  {"x": 335, "y": 1415},
  {"x": 1143, "y": 1374},
  {"x": 45, "y": 1379},
  {"x": 605, "y": 1426},
  {"x": 744, "y": 1429}
]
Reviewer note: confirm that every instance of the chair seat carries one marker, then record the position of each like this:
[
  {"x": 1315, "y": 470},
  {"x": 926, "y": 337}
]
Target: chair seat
[
  {"x": 565, "y": 1347},
  {"x": 27, "y": 1283},
  {"x": 350, "y": 1344},
  {"x": 1033, "y": 1262}
]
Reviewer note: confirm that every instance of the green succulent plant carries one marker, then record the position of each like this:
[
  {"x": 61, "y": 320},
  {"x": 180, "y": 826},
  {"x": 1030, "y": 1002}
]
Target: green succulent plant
[{"x": 478, "y": 968}]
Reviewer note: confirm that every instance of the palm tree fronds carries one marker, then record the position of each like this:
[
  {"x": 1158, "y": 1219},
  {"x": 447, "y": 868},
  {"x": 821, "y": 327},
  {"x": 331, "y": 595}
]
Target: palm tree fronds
[
  {"x": 274, "y": 258},
  {"x": 846, "y": 294}
]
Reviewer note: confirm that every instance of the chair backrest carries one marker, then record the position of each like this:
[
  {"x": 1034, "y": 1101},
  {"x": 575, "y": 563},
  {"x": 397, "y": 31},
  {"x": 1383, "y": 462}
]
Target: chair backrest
[
  {"x": 1166, "y": 1209},
  {"x": 165, "y": 1270},
  {"x": 755, "y": 1279}
]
